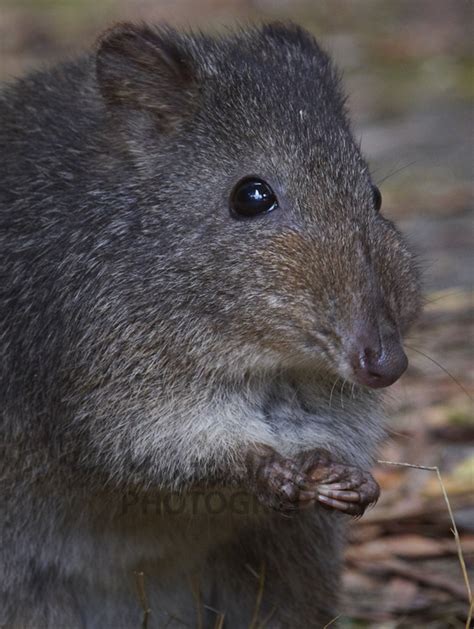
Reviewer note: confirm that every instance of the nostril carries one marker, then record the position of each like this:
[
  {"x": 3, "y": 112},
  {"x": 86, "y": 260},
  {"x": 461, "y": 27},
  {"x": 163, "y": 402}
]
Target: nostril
[
  {"x": 380, "y": 367},
  {"x": 369, "y": 357},
  {"x": 365, "y": 360}
]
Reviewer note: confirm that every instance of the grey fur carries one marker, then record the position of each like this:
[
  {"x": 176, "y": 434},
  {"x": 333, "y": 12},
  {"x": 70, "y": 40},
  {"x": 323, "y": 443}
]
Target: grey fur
[{"x": 148, "y": 340}]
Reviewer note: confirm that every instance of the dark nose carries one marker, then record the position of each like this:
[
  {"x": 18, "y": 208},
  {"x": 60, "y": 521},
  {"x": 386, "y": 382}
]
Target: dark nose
[{"x": 379, "y": 364}]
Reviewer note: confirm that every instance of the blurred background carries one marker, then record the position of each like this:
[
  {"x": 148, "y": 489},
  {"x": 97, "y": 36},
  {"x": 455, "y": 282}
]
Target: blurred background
[{"x": 408, "y": 70}]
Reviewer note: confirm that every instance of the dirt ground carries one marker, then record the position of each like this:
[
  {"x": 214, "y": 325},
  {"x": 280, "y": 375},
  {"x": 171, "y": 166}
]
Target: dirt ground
[{"x": 408, "y": 69}]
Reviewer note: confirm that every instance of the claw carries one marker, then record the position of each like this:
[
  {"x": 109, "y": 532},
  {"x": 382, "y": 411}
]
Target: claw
[
  {"x": 337, "y": 486},
  {"x": 346, "y": 507},
  {"x": 330, "y": 492}
]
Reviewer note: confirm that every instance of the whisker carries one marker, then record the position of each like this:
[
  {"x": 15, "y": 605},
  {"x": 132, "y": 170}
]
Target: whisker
[
  {"x": 330, "y": 395},
  {"x": 398, "y": 170},
  {"x": 444, "y": 296},
  {"x": 461, "y": 386},
  {"x": 342, "y": 390}
]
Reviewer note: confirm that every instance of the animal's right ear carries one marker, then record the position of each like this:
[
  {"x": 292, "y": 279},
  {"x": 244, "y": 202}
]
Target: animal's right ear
[{"x": 144, "y": 69}]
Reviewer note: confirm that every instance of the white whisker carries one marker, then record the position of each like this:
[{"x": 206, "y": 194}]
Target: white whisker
[
  {"x": 341, "y": 396},
  {"x": 332, "y": 390}
]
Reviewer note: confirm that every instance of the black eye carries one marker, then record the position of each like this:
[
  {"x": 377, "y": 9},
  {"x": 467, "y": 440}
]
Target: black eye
[
  {"x": 251, "y": 197},
  {"x": 377, "y": 198}
]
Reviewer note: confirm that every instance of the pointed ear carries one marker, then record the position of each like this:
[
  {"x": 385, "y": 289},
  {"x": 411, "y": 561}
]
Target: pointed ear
[{"x": 148, "y": 70}]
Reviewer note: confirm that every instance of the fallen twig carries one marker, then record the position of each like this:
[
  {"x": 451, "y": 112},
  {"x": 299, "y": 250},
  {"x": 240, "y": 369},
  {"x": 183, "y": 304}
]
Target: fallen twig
[
  {"x": 140, "y": 580},
  {"x": 258, "y": 602},
  {"x": 454, "y": 529}
]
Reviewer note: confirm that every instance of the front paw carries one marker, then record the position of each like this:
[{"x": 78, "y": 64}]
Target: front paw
[
  {"x": 288, "y": 485},
  {"x": 276, "y": 481},
  {"x": 342, "y": 487}
]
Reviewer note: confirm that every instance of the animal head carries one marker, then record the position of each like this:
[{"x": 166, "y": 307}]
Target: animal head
[{"x": 270, "y": 245}]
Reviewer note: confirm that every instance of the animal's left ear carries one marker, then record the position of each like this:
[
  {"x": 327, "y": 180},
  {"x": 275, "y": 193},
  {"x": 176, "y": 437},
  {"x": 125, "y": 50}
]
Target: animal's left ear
[{"x": 148, "y": 70}]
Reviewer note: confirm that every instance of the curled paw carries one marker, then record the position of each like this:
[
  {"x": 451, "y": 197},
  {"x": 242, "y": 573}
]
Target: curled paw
[
  {"x": 288, "y": 485},
  {"x": 276, "y": 481},
  {"x": 344, "y": 488}
]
